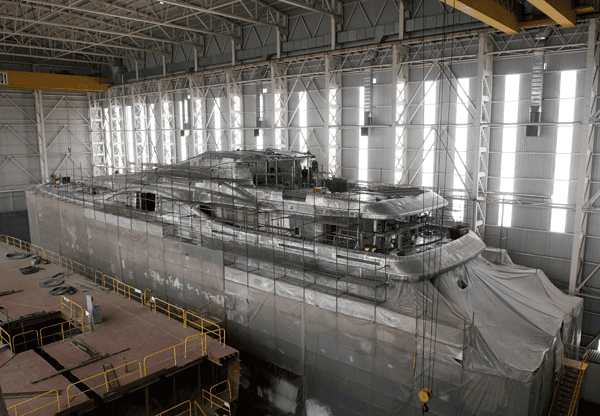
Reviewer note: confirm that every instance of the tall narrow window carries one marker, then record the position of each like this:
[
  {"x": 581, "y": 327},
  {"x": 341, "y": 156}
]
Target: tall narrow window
[
  {"x": 429, "y": 134},
  {"x": 564, "y": 145},
  {"x": 509, "y": 146},
  {"x": 363, "y": 141},
  {"x": 303, "y": 116},
  {"x": 259, "y": 139},
  {"x": 183, "y": 109},
  {"x": 460, "y": 143}
]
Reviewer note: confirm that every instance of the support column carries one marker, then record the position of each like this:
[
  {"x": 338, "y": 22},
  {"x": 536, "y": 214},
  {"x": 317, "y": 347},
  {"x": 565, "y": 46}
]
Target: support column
[
  {"x": 401, "y": 20},
  {"x": 166, "y": 126},
  {"x": 198, "y": 106},
  {"x": 333, "y": 91},
  {"x": 280, "y": 108},
  {"x": 235, "y": 133},
  {"x": 116, "y": 132},
  {"x": 399, "y": 81},
  {"x": 585, "y": 159},
  {"x": 480, "y": 153},
  {"x": 99, "y": 158},
  {"x": 41, "y": 134}
]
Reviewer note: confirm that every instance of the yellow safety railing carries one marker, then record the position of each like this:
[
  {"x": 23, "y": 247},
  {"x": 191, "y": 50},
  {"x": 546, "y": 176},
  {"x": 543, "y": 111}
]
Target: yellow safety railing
[
  {"x": 22, "y": 334},
  {"x": 172, "y": 311},
  {"x": 187, "y": 317},
  {"x": 73, "y": 311},
  {"x": 196, "y": 408},
  {"x": 198, "y": 341},
  {"x": 104, "y": 376},
  {"x": 216, "y": 400},
  {"x": 5, "y": 339},
  {"x": 181, "y": 409},
  {"x": 204, "y": 325},
  {"x": 124, "y": 289},
  {"x": 62, "y": 330},
  {"x": 57, "y": 401}
]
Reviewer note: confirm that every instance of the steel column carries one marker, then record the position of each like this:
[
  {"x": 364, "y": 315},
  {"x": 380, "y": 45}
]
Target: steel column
[
  {"x": 480, "y": 154},
  {"x": 399, "y": 82},
  {"x": 41, "y": 134},
  {"x": 585, "y": 159}
]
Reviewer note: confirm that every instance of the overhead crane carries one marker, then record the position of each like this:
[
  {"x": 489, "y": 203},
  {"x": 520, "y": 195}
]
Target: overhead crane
[{"x": 505, "y": 15}]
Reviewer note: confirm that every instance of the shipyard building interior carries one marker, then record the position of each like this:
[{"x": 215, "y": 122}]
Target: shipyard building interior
[{"x": 354, "y": 207}]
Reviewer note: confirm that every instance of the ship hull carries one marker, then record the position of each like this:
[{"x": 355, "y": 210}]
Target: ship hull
[{"x": 349, "y": 349}]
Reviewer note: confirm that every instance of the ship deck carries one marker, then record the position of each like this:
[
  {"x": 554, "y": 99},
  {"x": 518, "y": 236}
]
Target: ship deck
[{"x": 129, "y": 330}]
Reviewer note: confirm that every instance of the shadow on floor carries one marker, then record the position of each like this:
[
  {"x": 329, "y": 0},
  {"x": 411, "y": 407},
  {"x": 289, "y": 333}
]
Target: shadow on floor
[{"x": 15, "y": 224}]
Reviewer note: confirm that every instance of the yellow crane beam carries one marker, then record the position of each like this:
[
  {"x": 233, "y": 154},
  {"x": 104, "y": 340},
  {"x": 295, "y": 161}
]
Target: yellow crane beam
[
  {"x": 51, "y": 82},
  {"x": 501, "y": 14},
  {"x": 558, "y": 10}
]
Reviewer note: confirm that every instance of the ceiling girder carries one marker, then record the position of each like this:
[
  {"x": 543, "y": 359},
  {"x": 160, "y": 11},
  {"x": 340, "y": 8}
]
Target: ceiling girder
[
  {"x": 503, "y": 17},
  {"x": 558, "y": 10},
  {"x": 130, "y": 17}
]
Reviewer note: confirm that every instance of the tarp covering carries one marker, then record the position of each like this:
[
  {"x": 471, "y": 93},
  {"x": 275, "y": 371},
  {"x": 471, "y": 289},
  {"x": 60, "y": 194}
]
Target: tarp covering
[{"x": 486, "y": 337}]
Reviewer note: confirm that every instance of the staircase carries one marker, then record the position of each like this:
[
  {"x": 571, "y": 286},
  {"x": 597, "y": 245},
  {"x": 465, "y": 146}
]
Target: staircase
[{"x": 566, "y": 395}]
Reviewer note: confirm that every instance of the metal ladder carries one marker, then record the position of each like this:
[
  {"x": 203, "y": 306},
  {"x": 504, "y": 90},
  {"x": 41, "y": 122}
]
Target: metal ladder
[{"x": 566, "y": 395}]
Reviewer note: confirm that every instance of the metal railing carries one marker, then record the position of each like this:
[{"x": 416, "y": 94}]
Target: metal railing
[
  {"x": 25, "y": 341},
  {"x": 124, "y": 289},
  {"x": 5, "y": 339},
  {"x": 106, "y": 382},
  {"x": 184, "y": 408},
  {"x": 198, "y": 341},
  {"x": 204, "y": 326},
  {"x": 216, "y": 400},
  {"x": 75, "y": 311},
  {"x": 57, "y": 401},
  {"x": 172, "y": 311},
  {"x": 62, "y": 330}
]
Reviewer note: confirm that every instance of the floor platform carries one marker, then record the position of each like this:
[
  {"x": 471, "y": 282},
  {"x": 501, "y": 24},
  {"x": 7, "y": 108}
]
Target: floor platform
[{"x": 130, "y": 334}]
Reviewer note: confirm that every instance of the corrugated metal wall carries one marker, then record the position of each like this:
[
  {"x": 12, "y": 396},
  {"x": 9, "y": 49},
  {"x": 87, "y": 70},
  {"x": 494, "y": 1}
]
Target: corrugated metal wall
[{"x": 67, "y": 141}]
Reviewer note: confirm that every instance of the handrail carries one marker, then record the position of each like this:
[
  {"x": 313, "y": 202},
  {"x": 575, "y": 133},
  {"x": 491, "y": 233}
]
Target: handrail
[
  {"x": 124, "y": 289},
  {"x": 196, "y": 407},
  {"x": 203, "y": 323},
  {"x": 6, "y": 339},
  {"x": 187, "y": 411},
  {"x": 169, "y": 309},
  {"x": 37, "y": 336},
  {"x": 106, "y": 381},
  {"x": 66, "y": 303},
  {"x": 57, "y": 401},
  {"x": 222, "y": 382},
  {"x": 62, "y": 330},
  {"x": 174, "y": 348},
  {"x": 213, "y": 398}
]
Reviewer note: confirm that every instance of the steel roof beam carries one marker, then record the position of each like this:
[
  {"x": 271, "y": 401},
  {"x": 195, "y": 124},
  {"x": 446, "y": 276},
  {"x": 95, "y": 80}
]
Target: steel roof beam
[
  {"x": 46, "y": 48},
  {"x": 503, "y": 17},
  {"x": 130, "y": 17},
  {"x": 91, "y": 29},
  {"x": 558, "y": 10},
  {"x": 215, "y": 12},
  {"x": 83, "y": 42},
  {"x": 51, "y": 58},
  {"x": 306, "y": 6}
]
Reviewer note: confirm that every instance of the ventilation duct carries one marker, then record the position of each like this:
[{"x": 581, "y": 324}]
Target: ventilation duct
[{"x": 537, "y": 84}]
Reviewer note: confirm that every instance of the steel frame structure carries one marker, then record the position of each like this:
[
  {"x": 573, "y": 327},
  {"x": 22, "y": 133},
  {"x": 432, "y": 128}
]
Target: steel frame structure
[{"x": 323, "y": 73}]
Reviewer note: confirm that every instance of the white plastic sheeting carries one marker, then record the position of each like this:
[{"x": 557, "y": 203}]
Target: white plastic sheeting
[{"x": 485, "y": 337}]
